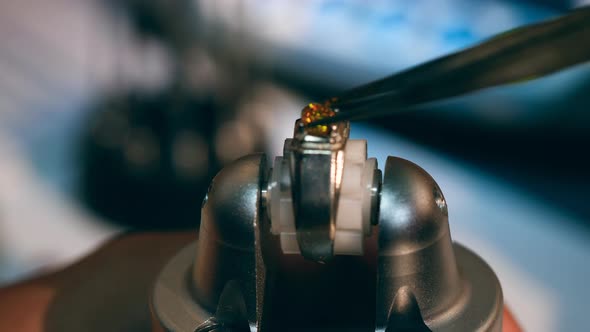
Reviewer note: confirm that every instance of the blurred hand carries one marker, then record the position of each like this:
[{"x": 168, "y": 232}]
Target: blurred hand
[{"x": 106, "y": 291}]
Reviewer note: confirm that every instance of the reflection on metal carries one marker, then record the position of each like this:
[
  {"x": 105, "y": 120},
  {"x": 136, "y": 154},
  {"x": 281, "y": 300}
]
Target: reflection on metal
[
  {"x": 404, "y": 314},
  {"x": 388, "y": 262},
  {"x": 231, "y": 312},
  {"x": 209, "y": 325}
]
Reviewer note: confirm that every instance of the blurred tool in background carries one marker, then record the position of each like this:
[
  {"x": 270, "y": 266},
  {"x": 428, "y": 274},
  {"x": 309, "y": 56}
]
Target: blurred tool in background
[
  {"x": 502, "y": 130},
  {"x": 155, "y": 147},
  {"x": 508, "y": 130},
  {"x": 161, "y": 147},
  {"x": 218, "y": 50}
]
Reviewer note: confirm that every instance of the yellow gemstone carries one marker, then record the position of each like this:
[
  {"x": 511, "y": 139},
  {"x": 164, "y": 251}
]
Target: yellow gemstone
[{"x": 314, "y": 112}]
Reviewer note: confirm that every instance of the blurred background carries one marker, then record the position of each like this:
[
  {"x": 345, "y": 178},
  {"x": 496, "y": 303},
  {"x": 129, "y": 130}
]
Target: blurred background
[{"x": 114, "y": 116}]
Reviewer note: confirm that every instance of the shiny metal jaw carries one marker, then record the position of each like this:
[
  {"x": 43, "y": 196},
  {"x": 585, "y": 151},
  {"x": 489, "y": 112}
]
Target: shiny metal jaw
[{"x": 409, "y": 274}]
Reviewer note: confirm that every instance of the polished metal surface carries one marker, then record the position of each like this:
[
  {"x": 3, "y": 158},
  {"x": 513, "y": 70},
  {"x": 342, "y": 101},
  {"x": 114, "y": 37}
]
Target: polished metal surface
[
  {"x": 414, "y": 239},
  {"x": 174, "y": 307},
  {"x": 418, "y": 280},
  {"x": 416, "y": 255},
  {"x": 227, "y": 234}
]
